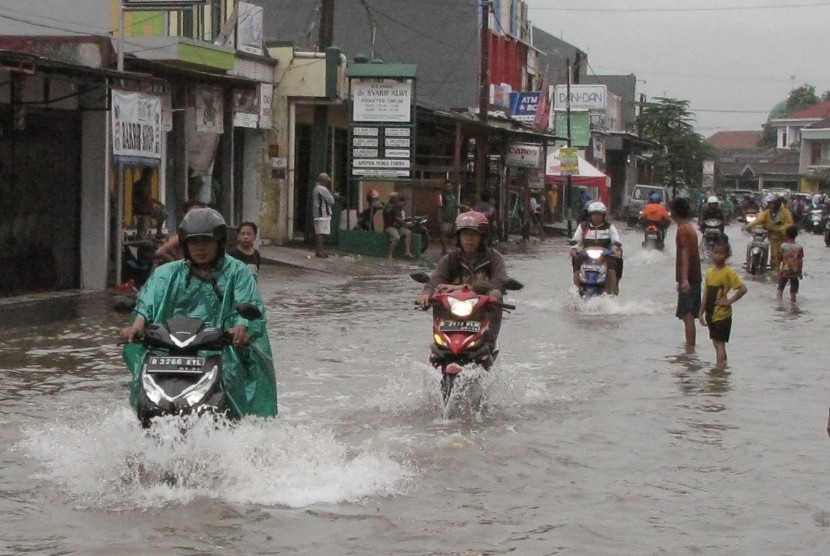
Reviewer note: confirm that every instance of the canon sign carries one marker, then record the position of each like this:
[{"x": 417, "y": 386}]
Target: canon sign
[
  {"x": 583, "y": 97},
  {"x": 523, "y": 155}
]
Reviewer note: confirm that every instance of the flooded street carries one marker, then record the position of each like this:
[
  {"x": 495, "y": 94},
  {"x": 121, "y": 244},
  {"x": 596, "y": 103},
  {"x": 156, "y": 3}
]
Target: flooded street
[{"x": 597, "y": 433}]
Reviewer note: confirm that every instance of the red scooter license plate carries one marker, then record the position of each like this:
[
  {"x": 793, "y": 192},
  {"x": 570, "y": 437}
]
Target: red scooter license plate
[{"x": 470, "y": 326}]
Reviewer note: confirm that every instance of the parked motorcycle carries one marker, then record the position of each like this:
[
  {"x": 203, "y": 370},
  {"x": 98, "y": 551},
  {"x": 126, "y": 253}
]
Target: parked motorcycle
[
  {"x": 712, "y": 231},
  {"x": 460, "y": 329},
  {"x": 138, "y": 261},
  {"x": 181, "y": 372},
  {"x": 757, "y": 252},
  {"x": 654, "y": 236},
  {"x": 418, "y": 226},
  {"x": 593, "y": 271},
  {"x": 814, "y": 221}
]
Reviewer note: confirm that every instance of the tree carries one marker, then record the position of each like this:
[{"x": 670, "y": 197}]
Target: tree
[
  {"x": 679, "y": 160},
  {"x": 802, "y": 97}
]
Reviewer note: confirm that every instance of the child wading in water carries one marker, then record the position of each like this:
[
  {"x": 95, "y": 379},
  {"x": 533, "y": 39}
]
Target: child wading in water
[
  {"x": 720, "y": 280},
  {"x": 792, "y": 257},
  {"x": 245, "y": 250}
]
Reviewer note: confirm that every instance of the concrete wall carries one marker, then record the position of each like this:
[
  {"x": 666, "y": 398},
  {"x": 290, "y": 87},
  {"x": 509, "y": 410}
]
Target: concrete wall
[
  {"x": 95, "y": 208},
  {"x": 58, "y": 17},
  {"x": 441, "y": 38}
]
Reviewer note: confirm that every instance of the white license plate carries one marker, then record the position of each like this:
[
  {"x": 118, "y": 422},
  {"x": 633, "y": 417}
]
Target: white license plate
[
  {"x": 590, "y": 267},
  {"x": 173, "y": 363},
  {"x": 470, "y": 326}
]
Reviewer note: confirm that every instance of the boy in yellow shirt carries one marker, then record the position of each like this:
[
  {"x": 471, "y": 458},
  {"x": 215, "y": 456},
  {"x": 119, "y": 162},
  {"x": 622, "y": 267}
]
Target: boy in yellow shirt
[{"x": 720, "y": 280}]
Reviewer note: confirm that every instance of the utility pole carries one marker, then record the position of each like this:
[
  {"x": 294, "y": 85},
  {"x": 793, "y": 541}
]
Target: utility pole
[
  {"x": 320, "y": 133},
  {"x": 569, "y": 179},
  {"x": 326, "y": 35},
  {"x": 483, "y": 98}
]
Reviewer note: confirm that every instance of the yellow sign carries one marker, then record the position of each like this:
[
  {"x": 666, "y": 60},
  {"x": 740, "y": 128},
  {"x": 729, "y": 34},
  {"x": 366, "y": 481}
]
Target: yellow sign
[{"x": 569, "y": 159}]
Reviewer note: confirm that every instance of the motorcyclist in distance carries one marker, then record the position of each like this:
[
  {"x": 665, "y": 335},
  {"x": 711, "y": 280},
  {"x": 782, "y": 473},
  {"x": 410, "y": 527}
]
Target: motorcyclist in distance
[
  {"x": 598, "y": 232},
  {"x": 655, "y": 212},
  {"x": 472, "y": 264},
  {"x": 776, "y": 218},
  {"x": 712, "y": 211}
]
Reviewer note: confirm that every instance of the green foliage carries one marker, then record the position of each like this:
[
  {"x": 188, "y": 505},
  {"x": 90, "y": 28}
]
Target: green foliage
[
  {"x": 825, "y": 96},
  {"x": 769, "y": 138},
  {"x": 802, "y": 97},
  {"x": 678, "y": 160}
]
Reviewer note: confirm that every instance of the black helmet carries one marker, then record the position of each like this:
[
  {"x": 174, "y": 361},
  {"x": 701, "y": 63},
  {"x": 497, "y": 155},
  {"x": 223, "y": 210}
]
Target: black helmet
[{"x": 203, "y": 222}]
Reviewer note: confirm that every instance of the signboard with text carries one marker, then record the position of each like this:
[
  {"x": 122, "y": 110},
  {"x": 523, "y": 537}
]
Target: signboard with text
[
  {"x": 378, "y": 101},
  {"x": 381, "y": 137},
  {"x": 523, "y": 155},
  {"x": 583, "y": 97},
  {"x": 136, "y": 128},
  {"x": 161, "y": 4},
  {"x": 523, "y": 106}
]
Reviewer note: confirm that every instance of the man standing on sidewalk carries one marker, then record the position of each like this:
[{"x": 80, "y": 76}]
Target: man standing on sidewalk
[
  {"x": 322, "y": 200},
  {"x": 448, "y": 207}
]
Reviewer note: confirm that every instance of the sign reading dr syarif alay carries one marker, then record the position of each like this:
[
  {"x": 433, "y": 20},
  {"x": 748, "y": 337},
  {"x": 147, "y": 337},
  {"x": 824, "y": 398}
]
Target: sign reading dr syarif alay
[{"x": 376, "y": 101}]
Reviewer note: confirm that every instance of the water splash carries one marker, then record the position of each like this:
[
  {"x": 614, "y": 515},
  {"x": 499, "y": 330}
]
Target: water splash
[
  {"x": 613, "y": 305},
  {"x": 106, "y": 460}
]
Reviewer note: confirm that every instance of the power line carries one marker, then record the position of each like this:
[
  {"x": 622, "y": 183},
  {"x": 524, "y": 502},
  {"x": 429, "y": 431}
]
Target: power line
[{"x": 695, "y": 9}]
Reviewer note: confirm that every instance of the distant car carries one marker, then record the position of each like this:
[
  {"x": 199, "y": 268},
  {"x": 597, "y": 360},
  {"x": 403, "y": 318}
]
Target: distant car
[
  {"x": 639, "y": 198},
  {"x": 780, "y": 191}
]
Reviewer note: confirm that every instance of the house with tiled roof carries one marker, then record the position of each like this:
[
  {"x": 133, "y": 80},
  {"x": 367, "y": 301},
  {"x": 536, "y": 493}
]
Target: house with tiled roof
[
  {"x": 742, "y": 164},
  {"x": 736, "y": 140},
  {"x": 788, "y": 127},
  {"x": 814, "y": 162}
]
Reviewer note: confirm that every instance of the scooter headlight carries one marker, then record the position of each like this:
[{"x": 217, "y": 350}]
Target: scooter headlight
[
  {"x": 198, "y": 391},
  {"x": 594, "y": 253},
  {"x": 750, "y": 218},
  {"x": 153, "y": 390},
  {"x": 461, "y": 308}
]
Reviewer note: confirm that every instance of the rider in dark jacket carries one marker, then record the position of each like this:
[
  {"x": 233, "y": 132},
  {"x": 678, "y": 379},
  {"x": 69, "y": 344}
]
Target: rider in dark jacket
[{"x": 472, "y": 265}]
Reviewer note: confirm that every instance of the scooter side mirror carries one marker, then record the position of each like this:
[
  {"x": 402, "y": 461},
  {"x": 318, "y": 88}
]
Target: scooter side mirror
[
  {"x": 420, "y": 276},
  {"x": 512, "y": 284},
  {"x": 249, "y": 311},
  {"x": 123, "y": 304}
]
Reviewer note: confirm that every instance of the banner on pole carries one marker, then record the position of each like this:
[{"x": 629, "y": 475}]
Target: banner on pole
[{"x": 136, "y": 128}]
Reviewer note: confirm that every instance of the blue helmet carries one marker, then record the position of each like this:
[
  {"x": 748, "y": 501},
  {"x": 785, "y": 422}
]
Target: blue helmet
[{"x": 655, "y": 198}]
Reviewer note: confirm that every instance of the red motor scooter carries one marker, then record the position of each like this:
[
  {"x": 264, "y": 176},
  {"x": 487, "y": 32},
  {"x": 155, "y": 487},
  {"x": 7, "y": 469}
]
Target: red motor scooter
[{"x": 460, "y": 330}]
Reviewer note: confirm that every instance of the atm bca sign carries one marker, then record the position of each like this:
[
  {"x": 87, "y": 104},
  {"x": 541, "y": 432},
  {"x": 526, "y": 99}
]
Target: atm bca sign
[{"x": 523, "y": 155}]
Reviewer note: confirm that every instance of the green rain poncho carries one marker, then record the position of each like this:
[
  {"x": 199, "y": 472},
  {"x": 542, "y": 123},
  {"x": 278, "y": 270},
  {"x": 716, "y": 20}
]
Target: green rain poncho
[{"x": 247, "y": 372}]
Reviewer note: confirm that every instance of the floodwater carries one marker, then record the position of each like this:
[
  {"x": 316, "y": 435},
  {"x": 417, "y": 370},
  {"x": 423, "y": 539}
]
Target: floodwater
[{"x": 596, "y": 432}]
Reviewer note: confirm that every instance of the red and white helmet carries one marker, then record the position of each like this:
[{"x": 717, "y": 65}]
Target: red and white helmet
[{"x": 471, "y": 220}]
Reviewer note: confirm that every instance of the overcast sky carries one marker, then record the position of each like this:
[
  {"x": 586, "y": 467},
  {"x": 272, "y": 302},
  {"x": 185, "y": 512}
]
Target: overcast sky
[{"x": 733, "y": 60}]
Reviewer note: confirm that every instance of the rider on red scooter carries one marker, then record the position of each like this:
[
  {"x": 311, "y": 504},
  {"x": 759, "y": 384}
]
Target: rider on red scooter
[{"x": 472, "y": 265}]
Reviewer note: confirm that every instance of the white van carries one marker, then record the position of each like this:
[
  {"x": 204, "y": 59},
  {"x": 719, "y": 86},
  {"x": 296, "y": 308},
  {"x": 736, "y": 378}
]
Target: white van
[{"x": 640, "y": 194}]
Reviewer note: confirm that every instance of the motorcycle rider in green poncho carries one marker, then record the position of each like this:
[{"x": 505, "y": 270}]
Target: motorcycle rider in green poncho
[{"x": 208, "y": 285}]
